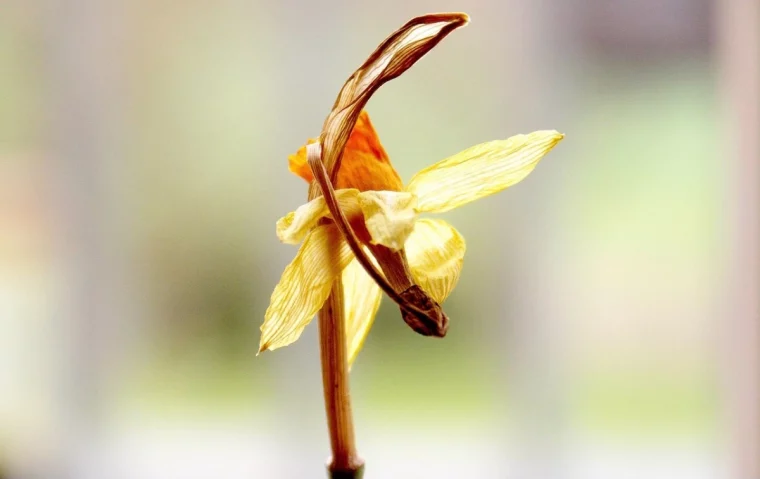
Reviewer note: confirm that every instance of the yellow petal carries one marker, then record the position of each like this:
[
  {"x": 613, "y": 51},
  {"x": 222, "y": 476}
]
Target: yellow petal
[
  {"x": 389, "y": 216},
  {"x": 304, "y": 286},
  {"x": 435, "y": 252},
  {"x": 293, "y": 227},
  {"x": 362, "y": 300},
  {"x": 480, "y": 171}
]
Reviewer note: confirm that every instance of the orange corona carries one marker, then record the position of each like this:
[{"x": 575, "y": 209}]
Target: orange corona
[{"x": 365, "y": 164}]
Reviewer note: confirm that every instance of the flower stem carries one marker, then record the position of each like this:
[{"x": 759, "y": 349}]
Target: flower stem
[{"x": 345, "y": 462}]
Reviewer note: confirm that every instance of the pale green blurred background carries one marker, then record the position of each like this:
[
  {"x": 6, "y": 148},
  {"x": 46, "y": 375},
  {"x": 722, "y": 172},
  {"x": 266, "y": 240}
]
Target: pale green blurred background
[{"x": 143, "y": 164}]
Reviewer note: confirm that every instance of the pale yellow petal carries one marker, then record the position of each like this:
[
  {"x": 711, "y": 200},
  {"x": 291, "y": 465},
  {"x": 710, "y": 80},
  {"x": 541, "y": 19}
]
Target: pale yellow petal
[
  {"x": 480, "y": 171},
  {"x": 389, "y": 216},
  {"x": 304, "y": 286},
  {"x": 362, "y": 300},
  {"x": 435, "y": 252},
  {"x": 293, "y": 227}
]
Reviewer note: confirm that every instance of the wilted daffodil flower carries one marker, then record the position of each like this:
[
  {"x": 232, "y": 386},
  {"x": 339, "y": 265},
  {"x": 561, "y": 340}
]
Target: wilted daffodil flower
[
  {"x": 385, "y": 217},
  {"x": 361, "y": 234}
]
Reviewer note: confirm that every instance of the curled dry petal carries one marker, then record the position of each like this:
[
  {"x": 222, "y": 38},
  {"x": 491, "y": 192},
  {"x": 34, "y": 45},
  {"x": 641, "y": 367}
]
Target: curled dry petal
[
  {"x": 435, "y": 252},
  {"x": 293, "y": 227},
  {"x": 480, "y": 171},
  {"x": 393, "y": 57},
  {"x": 304, "y": 286},
  {"x": 389, "y": 216}
]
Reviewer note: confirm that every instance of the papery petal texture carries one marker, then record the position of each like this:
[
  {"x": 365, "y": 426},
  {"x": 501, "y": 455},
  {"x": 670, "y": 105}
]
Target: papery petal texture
[
  {"x": 293, "y": 227},
  {"x": 361, "y": 301},
  {"x": 389, "y": 216},
  {"x": 435, "y": 252},
  {"x": 304, "y": 286},
  {"x": 391, "y": 58},
  {"x": 480, "y": 171}
]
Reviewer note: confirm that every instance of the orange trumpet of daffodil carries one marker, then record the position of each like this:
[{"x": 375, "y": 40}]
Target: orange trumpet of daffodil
[{"x": 385, "y": 213}]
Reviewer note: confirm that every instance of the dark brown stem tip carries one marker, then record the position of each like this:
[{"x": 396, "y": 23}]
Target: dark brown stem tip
[
  {"x": 351, "y": 473},
  {"x": 433, "y": 322}
]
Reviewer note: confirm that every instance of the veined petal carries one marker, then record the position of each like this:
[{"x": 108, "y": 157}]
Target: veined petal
[
  {"x": 304, "y": 286},
  {"x": 393, "y": 57},
  {"x": 365, "y": 164},
  {"x": 389, "y": 216},
  {"x": 293, "y": 227},
  {"x": 480, "y": 171},
  {"x": 362, "y": 300},
  {"x": 435, "y": 252}
]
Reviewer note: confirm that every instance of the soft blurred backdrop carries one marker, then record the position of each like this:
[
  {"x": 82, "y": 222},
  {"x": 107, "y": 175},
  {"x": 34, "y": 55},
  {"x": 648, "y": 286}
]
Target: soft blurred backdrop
[{"x": 605, "y": 324}]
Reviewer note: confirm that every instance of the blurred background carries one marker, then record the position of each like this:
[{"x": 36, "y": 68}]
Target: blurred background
[{"x": 606, "y": 321}]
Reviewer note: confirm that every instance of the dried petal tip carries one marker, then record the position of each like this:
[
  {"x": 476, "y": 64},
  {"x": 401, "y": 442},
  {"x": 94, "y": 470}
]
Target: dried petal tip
[
  {"x": 391, "y": 58},
  {"x": 433, "y": 323},
  {"x": 460, "y": 19}
]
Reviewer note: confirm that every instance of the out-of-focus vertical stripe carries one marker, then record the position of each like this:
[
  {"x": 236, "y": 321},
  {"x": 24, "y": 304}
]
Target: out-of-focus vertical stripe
[
  {"x": 85, "y": 79},
  {"x": 738, "y": 35}
]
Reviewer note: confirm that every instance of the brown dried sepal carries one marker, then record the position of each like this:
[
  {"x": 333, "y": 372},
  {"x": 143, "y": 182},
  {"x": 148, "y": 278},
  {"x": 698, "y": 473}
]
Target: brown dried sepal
[
  {"x": 391, "y": 58},
  {"x": 433, "y": 322}
]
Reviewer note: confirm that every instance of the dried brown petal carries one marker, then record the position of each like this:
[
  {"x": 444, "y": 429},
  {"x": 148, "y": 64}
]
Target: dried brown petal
[
  {"x": 433, "y": 321},
  {"x": 393, "y": 57}
]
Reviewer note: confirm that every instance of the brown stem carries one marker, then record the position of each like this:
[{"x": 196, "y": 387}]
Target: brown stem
[
  {"x": 394, "y": 56},
  {"x": 345, "y": 462}
]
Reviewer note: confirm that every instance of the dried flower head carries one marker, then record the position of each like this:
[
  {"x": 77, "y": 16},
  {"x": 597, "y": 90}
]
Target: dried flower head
[
  {"x": 362, "y": 225},
  {"x": 361, "y": 234},
  {"x": 384, "y": 214}
]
